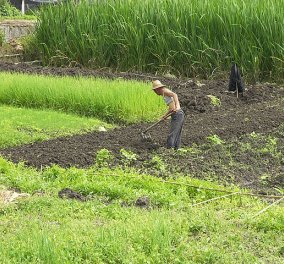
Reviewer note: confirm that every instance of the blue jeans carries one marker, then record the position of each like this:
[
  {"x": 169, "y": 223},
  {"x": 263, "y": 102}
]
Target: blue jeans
[{"x": 174, "y": 137}]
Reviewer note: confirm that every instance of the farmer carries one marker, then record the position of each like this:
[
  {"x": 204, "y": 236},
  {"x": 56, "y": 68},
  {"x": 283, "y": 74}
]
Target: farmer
[{"x": 177, "y": 116}]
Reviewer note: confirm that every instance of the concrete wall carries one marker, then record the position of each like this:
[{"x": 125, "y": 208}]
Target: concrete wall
[{"x": 14, "y": 29}]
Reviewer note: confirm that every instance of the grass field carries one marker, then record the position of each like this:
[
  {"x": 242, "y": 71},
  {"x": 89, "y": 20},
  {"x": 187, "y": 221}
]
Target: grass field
[
  {"x": 109, "y": 228},
  {"x": 21, "y": 125},
  {"x": 110, "y": 225},
  {"x": 135, "y": 201},
  {"x": 110, "y": 100}
]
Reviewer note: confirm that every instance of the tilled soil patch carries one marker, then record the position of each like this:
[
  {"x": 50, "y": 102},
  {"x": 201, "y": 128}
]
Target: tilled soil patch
[
  {"x": 259, "y": 110},
  {"x": 80, "y": 150}
]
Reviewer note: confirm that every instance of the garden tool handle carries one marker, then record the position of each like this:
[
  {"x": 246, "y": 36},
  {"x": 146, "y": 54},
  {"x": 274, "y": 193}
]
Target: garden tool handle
[{"x": 162, "y": 119}]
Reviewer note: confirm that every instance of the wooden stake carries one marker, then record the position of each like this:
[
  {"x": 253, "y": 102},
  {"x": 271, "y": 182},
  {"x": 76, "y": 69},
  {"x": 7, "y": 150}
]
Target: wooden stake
[
  {"x": 236, "y": 81},
  {"x": 237, "y": 92}
]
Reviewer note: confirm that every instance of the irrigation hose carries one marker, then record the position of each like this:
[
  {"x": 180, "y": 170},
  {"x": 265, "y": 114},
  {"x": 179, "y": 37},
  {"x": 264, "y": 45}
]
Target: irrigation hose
[
  {"x": 211, "y": 189},
  {"x": 266, "y": 208},
  {"x": 215, "y": 198}
]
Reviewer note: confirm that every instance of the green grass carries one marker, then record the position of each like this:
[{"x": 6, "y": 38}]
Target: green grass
[
  {"x": 110, "y": 100},
  {"x": 192, "y": 38},
  {"x": 19, "y": 125},
  {"x": 47, "y": 229}
]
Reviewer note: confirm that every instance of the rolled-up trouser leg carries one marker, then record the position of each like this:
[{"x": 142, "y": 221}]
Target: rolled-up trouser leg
[{"x": 174, "y": 137}]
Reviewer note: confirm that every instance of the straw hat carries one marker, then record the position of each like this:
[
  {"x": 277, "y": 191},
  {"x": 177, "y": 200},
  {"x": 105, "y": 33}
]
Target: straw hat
[{"x": 157, "y": 84}]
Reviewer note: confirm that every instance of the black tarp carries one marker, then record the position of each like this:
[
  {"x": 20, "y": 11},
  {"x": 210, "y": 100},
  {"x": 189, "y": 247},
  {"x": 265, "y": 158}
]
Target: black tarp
[{"x": 235, "y": 81}]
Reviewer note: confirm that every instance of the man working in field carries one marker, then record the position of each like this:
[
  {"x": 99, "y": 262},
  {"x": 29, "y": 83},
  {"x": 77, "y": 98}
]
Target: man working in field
[{"x": 177, "y": 116}]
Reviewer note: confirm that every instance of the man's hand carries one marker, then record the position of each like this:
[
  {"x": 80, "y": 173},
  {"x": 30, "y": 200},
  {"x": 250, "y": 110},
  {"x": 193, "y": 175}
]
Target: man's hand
[
  {"x": 168, "y": 114},
  {"x": 164, "y": 117}
]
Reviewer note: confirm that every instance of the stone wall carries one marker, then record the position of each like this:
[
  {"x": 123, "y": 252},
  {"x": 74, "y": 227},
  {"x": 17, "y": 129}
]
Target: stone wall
[{"x": 14, "y": 29}]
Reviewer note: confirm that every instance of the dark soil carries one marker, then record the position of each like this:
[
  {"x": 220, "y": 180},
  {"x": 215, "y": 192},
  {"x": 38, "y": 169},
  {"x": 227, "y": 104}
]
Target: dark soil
[
  {"x": 259, "y": 110},
  {"x": 68, "y": 193}
]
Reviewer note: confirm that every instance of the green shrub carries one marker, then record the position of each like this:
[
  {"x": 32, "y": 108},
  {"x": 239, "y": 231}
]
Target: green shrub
[
  {"x": 6, "y": 9},
  {"x": 31, "y": 48}
]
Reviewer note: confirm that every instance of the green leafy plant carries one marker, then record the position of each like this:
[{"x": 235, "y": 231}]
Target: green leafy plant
[
  {"x": 103, "y": 157},
  {"x": 215, "y": 101},
  {"x": 264, "y": 178},
  {"x": 270, "y": 147},
  {"x": 128, "y": 156},
  {"x": 254, "y": 135},
  {"x": 215, "y": 140},
  {"x": 157, "y": 163},
  {"x": 188, "y": 150},
  {"x": 52, "y": 173}
]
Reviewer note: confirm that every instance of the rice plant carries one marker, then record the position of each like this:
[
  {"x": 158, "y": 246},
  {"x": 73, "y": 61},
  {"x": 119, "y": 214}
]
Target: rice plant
[
  {"x": 192, "y": 38},
  {"x": 117, "y": 101}
]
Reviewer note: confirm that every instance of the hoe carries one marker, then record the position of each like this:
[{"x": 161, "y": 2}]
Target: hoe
[{"x": 148, "y": 136}]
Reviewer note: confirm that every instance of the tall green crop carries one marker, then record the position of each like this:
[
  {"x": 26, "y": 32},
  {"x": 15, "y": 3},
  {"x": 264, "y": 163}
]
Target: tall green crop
[
  {"x": 111, "y": 100},
  {"x": 192, "y": 38}
]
